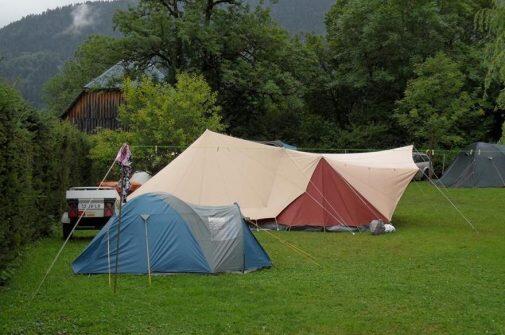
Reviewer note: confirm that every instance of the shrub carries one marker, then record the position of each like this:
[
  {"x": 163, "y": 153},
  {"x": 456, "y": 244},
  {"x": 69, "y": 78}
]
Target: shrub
[{"x": 40, "y": 158}]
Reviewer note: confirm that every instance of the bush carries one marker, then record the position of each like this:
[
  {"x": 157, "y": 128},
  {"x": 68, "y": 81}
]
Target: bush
[
  {"x": 172, "y": 116},
  {"x": 40, "y": 158}
]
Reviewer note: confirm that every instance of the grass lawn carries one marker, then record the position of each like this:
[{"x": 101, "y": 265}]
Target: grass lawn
[{"x": 435, "y": 275}]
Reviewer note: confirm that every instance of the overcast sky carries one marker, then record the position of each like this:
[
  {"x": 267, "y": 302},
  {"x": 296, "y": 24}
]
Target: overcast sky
[{"x": 13, "y": 10}]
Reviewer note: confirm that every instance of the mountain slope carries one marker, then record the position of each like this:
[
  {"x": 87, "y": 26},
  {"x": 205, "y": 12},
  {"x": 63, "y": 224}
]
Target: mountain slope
[
  {"x": 33, "y": 48},
  {"x": 299, "y": 16}
]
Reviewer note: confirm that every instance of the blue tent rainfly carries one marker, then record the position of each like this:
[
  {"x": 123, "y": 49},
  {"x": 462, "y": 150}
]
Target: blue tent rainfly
[{"x": 163, "y": 234}]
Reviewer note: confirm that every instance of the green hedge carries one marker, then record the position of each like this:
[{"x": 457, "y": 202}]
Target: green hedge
[{"x": 39, "y": 158}]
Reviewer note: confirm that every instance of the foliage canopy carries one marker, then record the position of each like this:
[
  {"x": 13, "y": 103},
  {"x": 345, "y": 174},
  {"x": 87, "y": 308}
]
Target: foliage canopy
[
  {"x": 435, "y": 104},
  {"x": 154, "y": 114},
  {"x": 40, "y": 158}
]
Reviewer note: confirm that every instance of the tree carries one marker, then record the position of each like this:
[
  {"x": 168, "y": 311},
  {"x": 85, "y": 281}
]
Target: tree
[
  {"x": 492, "y": 20},
  {"x": 247, "y": 58},
  {"x": 92, "y": 58},
  {"x": 39, "y": 159},
  {"x": 171, "y": 117},
  {"x": 435, "y": 104},
  {"x": 371, "y": 50},
  {"x": 373, "y": 44},
  {"x": 15, "y": 174}
]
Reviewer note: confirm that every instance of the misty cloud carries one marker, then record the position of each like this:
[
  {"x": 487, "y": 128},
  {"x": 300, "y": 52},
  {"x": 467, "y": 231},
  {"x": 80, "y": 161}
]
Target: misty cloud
[{"x": 82, "y": 17}]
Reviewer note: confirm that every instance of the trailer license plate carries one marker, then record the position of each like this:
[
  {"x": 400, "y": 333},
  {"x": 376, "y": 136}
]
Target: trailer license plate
[{"x": 91, "y": 209}]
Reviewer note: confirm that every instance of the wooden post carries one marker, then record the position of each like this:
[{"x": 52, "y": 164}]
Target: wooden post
[{"x": 430, "y": 155}]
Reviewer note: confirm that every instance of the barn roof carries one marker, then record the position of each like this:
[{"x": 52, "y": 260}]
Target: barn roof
[{"x": 113, "y": 77}]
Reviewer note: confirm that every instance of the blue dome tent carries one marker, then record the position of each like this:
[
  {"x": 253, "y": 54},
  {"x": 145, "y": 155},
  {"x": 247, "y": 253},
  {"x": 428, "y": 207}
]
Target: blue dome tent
[{"x": 160, "y": 233}]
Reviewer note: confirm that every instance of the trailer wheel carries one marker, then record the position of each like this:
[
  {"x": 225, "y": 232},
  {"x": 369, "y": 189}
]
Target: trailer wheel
[{"x": 67, "y": 229}]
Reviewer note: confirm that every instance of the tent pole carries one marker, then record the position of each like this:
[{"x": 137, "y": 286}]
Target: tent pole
[
  {"x": 118, "y": 230},
  {"x": 147, "y": 253},
  {"x": 243, "y": 246},
  {"x": 108, "y": 256}
]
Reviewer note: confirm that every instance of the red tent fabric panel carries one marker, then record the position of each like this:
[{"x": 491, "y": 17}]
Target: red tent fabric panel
[{"x": 328, "y": 201}]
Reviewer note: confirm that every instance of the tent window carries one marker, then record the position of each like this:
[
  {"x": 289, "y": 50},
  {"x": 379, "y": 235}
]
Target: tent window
[{"x": 222, "y": 229}]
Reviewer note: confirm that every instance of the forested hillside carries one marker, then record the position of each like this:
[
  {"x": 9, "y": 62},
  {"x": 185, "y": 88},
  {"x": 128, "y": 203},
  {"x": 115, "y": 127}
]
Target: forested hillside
[
  {"x": 33, "y": 48},
  {"x": 299, "y": 16}
]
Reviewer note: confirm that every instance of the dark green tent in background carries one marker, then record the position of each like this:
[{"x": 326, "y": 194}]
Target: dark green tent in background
[{"x": 478, "y": 165}]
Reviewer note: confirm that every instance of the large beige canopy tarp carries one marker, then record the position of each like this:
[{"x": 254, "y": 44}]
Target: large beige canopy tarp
[{"x": 218, "y": 170}]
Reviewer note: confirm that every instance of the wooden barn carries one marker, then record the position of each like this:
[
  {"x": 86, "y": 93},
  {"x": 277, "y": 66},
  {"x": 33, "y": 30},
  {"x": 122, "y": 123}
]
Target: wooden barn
[{"x": 97, "y": 106}]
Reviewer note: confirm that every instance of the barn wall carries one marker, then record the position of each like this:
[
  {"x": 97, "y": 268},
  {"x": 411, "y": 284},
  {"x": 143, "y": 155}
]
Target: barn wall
[{"x": 96, "y": 109}]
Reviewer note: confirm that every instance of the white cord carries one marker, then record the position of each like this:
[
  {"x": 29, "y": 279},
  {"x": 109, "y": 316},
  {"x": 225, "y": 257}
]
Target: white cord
[{"x": 70, "y": 235}]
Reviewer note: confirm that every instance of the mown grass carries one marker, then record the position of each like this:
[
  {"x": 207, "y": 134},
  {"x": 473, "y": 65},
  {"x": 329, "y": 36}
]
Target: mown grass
[{"x": 435, "y": 275}]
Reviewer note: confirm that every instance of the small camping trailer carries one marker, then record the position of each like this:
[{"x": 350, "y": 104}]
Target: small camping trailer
[
  {"x": 478, "y": 165},
  {"x": 291, "y": 188},
  {"x": 159, "y": 233}
]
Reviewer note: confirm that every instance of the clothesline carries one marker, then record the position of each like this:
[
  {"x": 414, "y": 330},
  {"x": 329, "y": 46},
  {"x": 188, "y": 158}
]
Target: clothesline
[{"x": 326, "y": 150}]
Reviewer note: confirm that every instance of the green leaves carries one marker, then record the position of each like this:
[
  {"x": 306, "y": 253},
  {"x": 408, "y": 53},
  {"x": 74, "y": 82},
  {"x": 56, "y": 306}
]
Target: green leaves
[
  {"x": 156, "y": 114},
  {"x": 245, "y": 57},
  {"x": 492, "y": 20},
  {"x": 40, "y": 158},
  {"x": 369, "y": 62},
  {"x": 435, "y": 103},
  {"x": 271, "y": 85}
]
